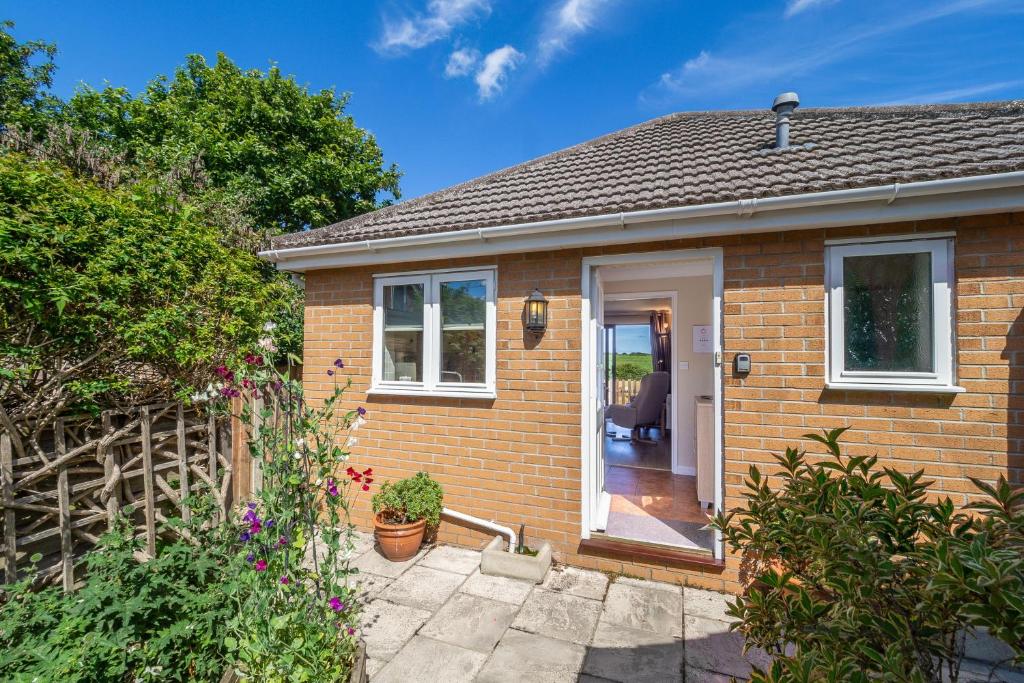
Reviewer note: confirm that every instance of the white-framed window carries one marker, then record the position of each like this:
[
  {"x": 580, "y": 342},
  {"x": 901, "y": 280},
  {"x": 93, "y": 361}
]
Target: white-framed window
[
  {"x": 890, "y": 314},
  {"x": 435, "y": 333}
]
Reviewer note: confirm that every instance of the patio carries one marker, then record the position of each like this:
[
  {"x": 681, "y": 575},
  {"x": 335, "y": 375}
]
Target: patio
[{"x": 437, "y": 618}]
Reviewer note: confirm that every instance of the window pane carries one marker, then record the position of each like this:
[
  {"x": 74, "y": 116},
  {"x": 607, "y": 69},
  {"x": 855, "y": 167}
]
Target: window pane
[
  {"x": 403, "y": 333},
  {"x": 463, "y": 331},
  {"x": 887, "y": 311}
]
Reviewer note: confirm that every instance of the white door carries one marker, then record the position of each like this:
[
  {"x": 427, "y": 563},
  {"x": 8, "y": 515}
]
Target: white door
[{"x": 601, "y": 499}]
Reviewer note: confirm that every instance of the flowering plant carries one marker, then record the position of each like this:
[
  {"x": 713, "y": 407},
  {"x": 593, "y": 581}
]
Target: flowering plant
[{"x": 297, "y": 614}]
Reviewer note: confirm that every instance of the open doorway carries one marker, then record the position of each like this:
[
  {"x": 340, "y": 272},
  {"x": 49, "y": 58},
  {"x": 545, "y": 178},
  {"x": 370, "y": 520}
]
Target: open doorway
[{"x": 658, "y": 469}]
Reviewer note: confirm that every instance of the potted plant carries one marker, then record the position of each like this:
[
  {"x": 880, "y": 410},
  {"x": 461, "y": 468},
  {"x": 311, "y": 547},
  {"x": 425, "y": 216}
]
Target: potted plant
[{"x": 403, "y": 510}]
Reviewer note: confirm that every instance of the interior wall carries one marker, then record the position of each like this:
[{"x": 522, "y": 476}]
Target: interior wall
[{"x": 693, "y": 307}]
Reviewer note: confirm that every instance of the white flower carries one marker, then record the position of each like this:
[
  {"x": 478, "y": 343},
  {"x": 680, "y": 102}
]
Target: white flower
[
  {"x": 269, "y": 326},
  {"x": 297, "y": 455},
  {"x": 351, "y": 441},
  {"x": 300, "y": 443},
  {"x": 359, "y": 422},
  {"x": 267, "y": 344}
]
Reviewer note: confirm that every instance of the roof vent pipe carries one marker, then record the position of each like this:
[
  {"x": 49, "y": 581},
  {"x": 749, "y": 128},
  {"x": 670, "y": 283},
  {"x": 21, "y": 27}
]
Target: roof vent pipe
[{"x": 783, "y": 106}]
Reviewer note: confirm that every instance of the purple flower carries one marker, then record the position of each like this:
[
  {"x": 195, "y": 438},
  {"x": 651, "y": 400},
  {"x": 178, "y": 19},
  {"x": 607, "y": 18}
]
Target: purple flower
[
  {"x": 250, "y": 516},
  {"x": 276, "y": 385},
  {"x": 351, "y": 631},
  {"x": 332, "y": 488},
  {"x": 245, "y": 537},
  {"x": 251, "y": 506},
  {"x": 269, "y": 523},
  {"x": 330, "y": 373},
  {"x": 337, "y": 605},
  {"x": 229, "y": 392},
  {"x": 338, "y": 363},
  {"x": 250, "y": 557},
  {"x": 285, "y": 580},
  {"x": 282, "y": 542},
  {"x": 361, "y": 410}
]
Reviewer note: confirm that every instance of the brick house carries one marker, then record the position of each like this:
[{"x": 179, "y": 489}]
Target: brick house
[{"x": 868, "y": 263}]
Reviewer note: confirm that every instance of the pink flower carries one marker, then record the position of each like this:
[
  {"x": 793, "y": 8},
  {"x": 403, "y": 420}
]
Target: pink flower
[
  {"x": 337, "y": 605},
  {"x": 261, "y": 565},
  {"x": 285, "y": 581}
]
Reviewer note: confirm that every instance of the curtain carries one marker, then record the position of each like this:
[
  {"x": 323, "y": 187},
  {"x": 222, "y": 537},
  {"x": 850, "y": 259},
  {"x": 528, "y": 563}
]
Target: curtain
[{"x": 661, "y": 342}]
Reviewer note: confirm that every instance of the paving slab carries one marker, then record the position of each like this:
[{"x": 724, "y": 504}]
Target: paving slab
[
  {"x": 974, "y": 671},
  {"x": 373, "y": 562},
  {"x": 373, "y": 666},
  {"x": 646, "y": 608},
  {"x": 619, "y": 653},
  {"x": 653, "y": 585},
  {"x": 425, "y": 660},
  {"x": 500, "y": 588},
  {"x": 450, "y": 559},
  {"x": 575, "y": 581},
  {"x": 707, "y": 604},
  {"x": 470, "y": 622},
  {"x": 558, "y": 615},
  {"x": 368, "y": 586},
  {"x": 423, "y": 588},
  {"x": 529, "y": 658},
  {"x": 711, "y": 646},
  {"x": 701, "y": 676},
  {"x": 386, "y": 627}
]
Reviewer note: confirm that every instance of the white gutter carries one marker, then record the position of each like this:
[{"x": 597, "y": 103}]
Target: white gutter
[
  {"x": 476, "y": 521},
  {"x": 741, "y": 208}
]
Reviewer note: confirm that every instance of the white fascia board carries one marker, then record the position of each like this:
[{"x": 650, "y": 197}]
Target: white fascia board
[{"x": 975, "y": 195}]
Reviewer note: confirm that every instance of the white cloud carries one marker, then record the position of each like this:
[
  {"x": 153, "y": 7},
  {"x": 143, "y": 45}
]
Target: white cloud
[
  {"x": 794, "y": 7},
  {"x": 461, "y": 62},
  {"x": 421, "y": 29},
  {"x": 765, "y": 54},
  {"x": 491, "y": 77},
  {"x": 568, "y": 20}
]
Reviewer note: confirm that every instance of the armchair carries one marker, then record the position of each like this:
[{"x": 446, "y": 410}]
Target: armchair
[{"x": 645, "y": 408}]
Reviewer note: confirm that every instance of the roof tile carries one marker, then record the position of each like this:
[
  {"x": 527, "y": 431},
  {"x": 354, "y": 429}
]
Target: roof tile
[{"x": 699, "y": 158}]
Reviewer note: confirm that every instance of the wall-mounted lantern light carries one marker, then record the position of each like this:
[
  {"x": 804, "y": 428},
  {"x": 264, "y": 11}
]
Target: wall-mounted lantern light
[{"x": 536, "y": 312}]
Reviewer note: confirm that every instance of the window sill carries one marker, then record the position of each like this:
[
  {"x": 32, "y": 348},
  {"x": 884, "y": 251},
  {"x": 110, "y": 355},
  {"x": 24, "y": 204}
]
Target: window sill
[
  {"x": 488, "y": 395},
  {"x": 900, "y": 388}
]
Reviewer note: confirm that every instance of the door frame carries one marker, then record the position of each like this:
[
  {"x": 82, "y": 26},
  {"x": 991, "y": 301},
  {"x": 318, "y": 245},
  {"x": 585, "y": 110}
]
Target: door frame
[{"x": 588, "y": 364}]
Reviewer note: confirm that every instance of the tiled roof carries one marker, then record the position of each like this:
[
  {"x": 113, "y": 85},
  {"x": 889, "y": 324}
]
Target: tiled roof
[{"x": 699, "y": 158}]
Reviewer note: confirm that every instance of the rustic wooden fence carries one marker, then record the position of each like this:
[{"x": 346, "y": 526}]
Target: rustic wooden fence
[{"x": 58, "y": 499}]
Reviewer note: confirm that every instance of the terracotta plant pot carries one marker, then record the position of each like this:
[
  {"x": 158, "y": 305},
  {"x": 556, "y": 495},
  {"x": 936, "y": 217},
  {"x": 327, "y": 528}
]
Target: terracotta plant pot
[{"x": 399, "y": 542}]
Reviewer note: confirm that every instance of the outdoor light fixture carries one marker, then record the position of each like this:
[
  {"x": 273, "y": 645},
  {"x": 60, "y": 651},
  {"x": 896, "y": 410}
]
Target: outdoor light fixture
[{"x": 536, "y": 312}]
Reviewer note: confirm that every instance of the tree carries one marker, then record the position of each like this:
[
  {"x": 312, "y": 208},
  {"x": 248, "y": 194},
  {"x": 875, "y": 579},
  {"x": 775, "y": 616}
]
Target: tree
[
  {"x": 292, "y": 158},
  {"x": 26, "y": 71},
  {"x": 113, "y": 295}
]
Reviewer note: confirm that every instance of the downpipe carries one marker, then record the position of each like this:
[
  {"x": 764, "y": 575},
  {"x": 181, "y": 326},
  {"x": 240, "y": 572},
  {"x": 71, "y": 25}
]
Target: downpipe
[{"x": 476, "y": 521}]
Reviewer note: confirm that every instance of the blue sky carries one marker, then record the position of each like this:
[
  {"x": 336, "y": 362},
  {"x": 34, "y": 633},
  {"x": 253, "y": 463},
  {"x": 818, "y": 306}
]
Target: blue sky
[
  {"x": 633, "y": 338},
  {"x": 454, "y": 89}
]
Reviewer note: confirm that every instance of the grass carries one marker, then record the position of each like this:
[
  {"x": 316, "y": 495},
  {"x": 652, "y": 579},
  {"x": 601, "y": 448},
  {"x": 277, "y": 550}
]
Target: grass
[{"x": 632, "y": 365}]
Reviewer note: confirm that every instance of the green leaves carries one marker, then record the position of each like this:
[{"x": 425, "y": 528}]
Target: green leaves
[
  {"x": 864, "y": 577},
  {"x": 96, "y": 282},
  {"x": 290, "y": 157}
]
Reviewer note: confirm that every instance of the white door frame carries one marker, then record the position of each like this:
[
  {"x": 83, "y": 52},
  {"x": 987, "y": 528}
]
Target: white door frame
[
  {"x": 671, "y": 294},
  {"x": 588, "y": 449}
]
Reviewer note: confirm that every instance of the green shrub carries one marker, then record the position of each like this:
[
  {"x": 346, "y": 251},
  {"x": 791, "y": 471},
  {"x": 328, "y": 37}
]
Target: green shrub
[
  {"x": 409, "y": 500},
  {"x": 856, "y": 574},
  {"x": 162, "y": 620}
]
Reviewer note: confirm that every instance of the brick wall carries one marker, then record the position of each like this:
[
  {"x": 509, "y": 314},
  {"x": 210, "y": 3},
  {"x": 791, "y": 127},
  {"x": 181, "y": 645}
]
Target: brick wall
[{"x": 518, "y": 458}]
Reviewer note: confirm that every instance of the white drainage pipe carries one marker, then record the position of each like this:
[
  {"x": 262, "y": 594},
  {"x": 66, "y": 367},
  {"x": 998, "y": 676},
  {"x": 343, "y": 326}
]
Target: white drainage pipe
[{"x": 476, "y": 521}]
